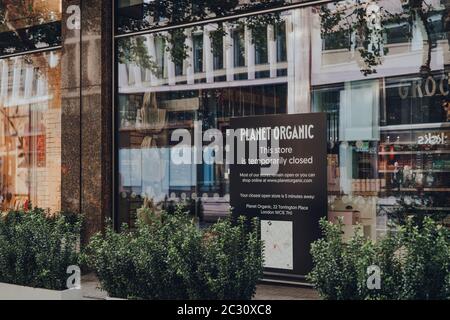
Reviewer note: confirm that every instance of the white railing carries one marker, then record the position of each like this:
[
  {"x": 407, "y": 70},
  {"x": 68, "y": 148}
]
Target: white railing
[{"x": 130, "y": 75}]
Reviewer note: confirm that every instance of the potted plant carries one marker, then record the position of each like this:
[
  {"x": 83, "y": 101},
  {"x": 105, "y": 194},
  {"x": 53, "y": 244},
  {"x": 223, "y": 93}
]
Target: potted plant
[{"x": 36, "y": 252}]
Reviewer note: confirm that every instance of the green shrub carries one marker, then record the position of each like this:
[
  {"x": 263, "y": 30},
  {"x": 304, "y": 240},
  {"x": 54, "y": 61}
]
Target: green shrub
[
  {"x": 36, "y": 249},
  {"x": 171, "y": 258},
  {"x": 232, "y": 261},
  {"x": 414, "y": 262},
  {"x": 426, "y": 265},
  {"x": 339, "y": 268}
]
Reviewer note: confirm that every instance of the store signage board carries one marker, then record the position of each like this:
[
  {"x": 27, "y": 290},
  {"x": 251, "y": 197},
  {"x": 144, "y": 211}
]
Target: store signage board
[{"x": 290, "y": 202}]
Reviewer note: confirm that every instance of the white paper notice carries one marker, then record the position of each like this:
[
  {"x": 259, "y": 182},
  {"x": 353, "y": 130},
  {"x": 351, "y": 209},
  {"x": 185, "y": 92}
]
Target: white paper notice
[{"x": 278, "y": 244}]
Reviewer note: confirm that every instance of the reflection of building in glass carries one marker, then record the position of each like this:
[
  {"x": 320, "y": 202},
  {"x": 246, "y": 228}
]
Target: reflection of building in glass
[
  {"x": 31, "y": 131},
  {"x": 289, "y": 67},
  {"x": 30, "y": 105},
  {"x": 83, "y": 131}
]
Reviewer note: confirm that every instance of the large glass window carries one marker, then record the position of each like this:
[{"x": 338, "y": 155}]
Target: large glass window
[
  {"x": 386, "y": 91},
  {"x": 30, "y": 106},
  {"x": 379, "y": 69},
  {"x": 228, "y": 71},
  {"x": 30, "y": 131}
]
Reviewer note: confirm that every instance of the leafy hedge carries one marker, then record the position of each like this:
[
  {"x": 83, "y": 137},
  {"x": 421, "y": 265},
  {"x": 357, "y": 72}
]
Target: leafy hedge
[
  {"x": 414, "y": 262},
  {"x": 36, "y": 249},
  {"x": 171, "y": 258}
]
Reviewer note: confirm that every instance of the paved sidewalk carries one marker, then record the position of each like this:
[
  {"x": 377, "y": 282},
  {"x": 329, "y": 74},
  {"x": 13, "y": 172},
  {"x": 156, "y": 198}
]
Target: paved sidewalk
[
  {"x": 263, "y": 292},
  {"x": 90, "y": 288},
  {"x": 284, "y": 292}
]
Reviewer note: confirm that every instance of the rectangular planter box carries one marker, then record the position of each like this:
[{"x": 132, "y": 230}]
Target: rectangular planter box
[{"x": 16, "y": 292}]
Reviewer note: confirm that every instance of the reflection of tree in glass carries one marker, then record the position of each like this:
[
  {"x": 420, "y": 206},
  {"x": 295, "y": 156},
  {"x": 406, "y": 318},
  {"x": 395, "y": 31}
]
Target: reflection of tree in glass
[
  {"x": 28, "y": 25},
  {"x": 158, "y": 13},
  {"x": 134, "y": 49},
  {"x": 18, "y": 14},
  {"x": 163, "y": 12},
  {"x": 47, "y": 68},
  {"x": 365, "y": 22},
  {"x": 417, "y": 208}
]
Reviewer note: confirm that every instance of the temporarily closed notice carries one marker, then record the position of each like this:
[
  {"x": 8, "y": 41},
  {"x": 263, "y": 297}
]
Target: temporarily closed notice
[{"x": 281, "y": 179}]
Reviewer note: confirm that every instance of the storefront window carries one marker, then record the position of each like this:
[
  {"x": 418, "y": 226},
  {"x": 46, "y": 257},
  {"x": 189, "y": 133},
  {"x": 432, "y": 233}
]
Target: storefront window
[
  {"x": 226, "y": 71},
  {"x": 147, "y": 173},
  {"x": 30, "y": 106},
  {"x": 388, "y": 142},
  {"x": 381, "y": 76},
  {"x": 30, "y": 131}
]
